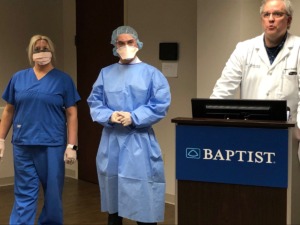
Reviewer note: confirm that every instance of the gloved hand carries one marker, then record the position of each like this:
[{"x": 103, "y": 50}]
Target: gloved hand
[
  {"x": 2, "y": 148},
  {"x": 126, "y": 118},
  {"x": 70, "y": 156},
  {"x": 115, "y": 117}
]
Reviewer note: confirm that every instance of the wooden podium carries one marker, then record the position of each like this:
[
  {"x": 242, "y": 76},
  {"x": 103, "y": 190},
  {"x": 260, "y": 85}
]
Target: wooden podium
[{"x": 236, "y": 172}]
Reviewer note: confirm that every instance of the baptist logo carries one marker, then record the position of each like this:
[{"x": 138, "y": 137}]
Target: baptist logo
[
  {"x": 231, "y": 155},
  {"x": 193, "y": 153}
]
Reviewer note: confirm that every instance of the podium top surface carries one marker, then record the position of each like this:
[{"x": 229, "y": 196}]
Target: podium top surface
[{"x": 232, "y": 122}]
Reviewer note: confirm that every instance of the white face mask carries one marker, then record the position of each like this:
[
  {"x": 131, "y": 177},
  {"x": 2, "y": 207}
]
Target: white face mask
[
  {"x": 42, "y": 58},
  {"x": 127, "y": 52}
]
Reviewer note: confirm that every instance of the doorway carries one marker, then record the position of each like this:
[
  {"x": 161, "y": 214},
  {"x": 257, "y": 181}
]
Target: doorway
[{"x": 95, "y": 21}]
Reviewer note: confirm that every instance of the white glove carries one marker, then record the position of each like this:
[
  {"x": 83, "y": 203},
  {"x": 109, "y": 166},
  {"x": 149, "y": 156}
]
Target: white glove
[
  {"x": 2, "y": 148},
  {"x": 126, "y": 118},
  {"x": 70, "y": 156},
  {"x": 115, "y": 117}
]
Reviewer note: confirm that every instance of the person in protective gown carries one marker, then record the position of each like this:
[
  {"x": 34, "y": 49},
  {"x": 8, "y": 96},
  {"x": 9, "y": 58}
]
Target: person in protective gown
[{"x": 127, "y": 98}]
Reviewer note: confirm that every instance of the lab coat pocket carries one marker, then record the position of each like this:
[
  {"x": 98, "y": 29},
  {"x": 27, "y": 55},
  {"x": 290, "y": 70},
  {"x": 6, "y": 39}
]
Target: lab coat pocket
[{"x": 290, "y": 84}]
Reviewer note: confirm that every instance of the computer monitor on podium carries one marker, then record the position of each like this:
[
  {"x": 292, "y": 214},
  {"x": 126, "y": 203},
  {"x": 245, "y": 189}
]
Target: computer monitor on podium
[{"x": 245, "y": 109}]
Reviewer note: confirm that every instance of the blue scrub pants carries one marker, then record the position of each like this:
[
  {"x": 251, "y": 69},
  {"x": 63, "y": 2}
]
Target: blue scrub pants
[{"x": 35, "y": 165}]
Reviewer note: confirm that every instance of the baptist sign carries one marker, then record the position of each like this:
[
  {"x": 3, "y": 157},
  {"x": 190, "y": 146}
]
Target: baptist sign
[{"x": 235, "y": 155}]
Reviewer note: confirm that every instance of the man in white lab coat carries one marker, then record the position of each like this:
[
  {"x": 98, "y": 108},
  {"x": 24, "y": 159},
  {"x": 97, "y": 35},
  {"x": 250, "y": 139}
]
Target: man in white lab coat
[{"x": 267, "y": 66}]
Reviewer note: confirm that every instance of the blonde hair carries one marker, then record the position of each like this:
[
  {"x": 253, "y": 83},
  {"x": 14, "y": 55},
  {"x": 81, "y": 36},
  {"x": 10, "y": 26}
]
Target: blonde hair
[{"x": 32, "y": 43}]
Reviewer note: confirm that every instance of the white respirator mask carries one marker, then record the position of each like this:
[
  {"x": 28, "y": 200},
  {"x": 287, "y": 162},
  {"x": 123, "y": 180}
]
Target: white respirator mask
[
  {"x": 127, "y": 52},
  {"x": 42, "y": 58}
]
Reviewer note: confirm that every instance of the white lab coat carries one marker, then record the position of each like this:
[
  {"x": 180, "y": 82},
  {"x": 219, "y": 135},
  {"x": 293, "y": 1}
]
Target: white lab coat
[{"x": 249, "y": 68}]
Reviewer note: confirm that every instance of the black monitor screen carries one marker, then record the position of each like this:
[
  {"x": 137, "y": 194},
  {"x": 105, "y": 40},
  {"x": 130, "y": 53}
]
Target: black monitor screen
[{"x": 239, "y": 109}]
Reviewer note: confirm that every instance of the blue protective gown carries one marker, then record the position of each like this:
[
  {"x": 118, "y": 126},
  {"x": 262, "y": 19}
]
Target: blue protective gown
[
  {"x": 129, "y": 161},
  {"x": 39, "y": 142}
]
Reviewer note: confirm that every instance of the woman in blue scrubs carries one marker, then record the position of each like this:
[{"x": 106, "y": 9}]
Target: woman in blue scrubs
[
  {"x": 127, "y": 99},
  {"x": 41, "y": 108}
]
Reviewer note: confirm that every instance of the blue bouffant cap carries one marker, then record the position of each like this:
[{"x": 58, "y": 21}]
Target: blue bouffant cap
[{"x": 124, "y": 30}]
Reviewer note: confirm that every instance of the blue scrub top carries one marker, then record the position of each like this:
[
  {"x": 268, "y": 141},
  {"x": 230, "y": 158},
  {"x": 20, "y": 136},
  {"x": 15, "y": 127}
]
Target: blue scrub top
[{"x": 39, "y": 117}]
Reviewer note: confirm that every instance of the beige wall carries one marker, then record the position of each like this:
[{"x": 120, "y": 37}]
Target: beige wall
[
  {"x": 20, "y": 19},
  {"x": 220, "y": 25}
]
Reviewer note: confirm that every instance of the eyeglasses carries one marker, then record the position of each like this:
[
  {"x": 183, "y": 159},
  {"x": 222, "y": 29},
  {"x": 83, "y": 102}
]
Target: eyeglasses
[
  {"x": 123, "y": 43},
  {"x": 38, "y": 50},
  {"x": 266, "y": 15}
]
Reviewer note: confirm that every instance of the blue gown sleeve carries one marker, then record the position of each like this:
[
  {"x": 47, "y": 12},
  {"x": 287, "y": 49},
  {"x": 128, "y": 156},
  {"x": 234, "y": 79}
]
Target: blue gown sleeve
[
  {"x": 158, "y": 104},
  {"x": 100, "y": 113}
]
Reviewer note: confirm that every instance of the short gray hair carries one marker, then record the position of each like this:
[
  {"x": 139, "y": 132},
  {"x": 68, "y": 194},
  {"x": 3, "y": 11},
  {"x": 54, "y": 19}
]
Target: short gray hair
[{"x": 288, "y": 6}]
